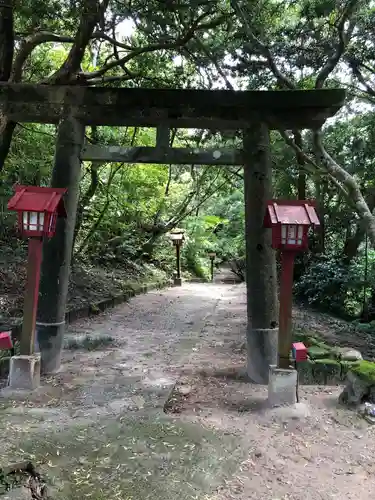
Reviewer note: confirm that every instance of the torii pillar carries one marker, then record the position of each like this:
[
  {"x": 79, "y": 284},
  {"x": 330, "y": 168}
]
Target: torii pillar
[{"x": 261, "y": 280}]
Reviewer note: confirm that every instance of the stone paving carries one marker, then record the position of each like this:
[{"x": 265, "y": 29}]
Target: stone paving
[{"x": 109, "y": 403}]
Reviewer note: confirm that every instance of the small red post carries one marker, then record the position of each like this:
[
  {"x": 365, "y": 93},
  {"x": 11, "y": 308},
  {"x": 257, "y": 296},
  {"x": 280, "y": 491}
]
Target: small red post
[
  {"x": 31, "y": 296},
  {"x": 285, "y": 312}
]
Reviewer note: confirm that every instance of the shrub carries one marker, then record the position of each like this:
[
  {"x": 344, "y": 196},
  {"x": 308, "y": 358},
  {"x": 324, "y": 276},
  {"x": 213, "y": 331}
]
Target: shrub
[{"x": 331, "y": 285}]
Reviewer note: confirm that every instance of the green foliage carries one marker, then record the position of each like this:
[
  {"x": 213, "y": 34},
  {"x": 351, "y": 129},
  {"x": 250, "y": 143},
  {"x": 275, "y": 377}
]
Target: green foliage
[
  {"x": 365, "y": 370},
  {"x": 331, "y": 285}
]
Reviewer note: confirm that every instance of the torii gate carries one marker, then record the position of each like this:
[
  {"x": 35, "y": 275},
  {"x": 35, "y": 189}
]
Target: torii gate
[{"x": 255, "y": 112}]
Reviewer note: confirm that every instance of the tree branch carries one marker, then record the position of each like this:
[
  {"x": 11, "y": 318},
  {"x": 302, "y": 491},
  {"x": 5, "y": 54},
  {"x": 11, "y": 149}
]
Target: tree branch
[
  {"x": 214, "y": 61},
  {"x": 350, "y": 184},
  {"x": 344, "y": 38},
  {"x": 28, "y": 45},
  {"x": 308, "y": 160},
  {"x": 354, "y": 64},
  {"x": 92, "y": 13},
  {"x": 263, "y": 49},
  {"x": 179, "y": 42}
]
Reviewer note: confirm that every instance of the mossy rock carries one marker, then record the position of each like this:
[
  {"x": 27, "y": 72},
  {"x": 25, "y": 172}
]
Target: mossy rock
[
  {"x": 347, "y": 366},
  {"x": 365, "y": 370},
  {"x": 320, "y": 352},
  {"x": 360, "y": 384},
  {"x": 327, "y": 371}
]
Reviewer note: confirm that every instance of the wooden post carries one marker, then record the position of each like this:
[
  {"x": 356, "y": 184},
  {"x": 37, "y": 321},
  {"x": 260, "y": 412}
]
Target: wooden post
[
  {"x": 285, "y": 314},
  {"x": 57, "y": 251},
  {"x": 212, "y": 268},
  {"x": 178, "y": 260},
  {"x": 260, "y": 258},
  {"x": 31, "y": 296}
]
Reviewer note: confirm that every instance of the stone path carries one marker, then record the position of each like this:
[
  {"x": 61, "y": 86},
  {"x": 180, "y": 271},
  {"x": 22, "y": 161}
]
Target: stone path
[
  {"x": 116, "y": 395},
  {"x": 97, "y": 429}
]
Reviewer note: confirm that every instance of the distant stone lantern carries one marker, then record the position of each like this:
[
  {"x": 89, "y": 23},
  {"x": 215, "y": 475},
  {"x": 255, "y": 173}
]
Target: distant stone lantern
[
  {"x": 290, "y": 221},
  {"x": 177, "y": 238},
  {"x": 212, "y": 256},
  {"x": 38, "y": 209}
]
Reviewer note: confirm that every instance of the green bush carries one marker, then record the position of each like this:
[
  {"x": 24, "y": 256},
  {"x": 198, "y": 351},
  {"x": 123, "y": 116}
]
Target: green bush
[
  {"x": 193, "y": 263},
  {"x": 331, "y": 285}
]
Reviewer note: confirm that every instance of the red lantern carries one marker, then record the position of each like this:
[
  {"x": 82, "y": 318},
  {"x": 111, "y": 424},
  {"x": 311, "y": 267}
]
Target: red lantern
[
  {"x": 290, "y": 221},
  {"x": 38, "y": 209}
]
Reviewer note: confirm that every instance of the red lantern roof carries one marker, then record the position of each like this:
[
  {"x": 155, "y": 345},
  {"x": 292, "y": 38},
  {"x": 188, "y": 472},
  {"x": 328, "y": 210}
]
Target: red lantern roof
[
  {"x": 301, "y": 212},
  {"x": 38, "y": 199}
]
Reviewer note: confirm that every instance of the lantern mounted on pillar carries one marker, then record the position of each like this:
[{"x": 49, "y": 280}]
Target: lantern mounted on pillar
[
  {"x": 290, "y": 221},
  {"x": 177, "y": 237},
  {"x": 38, "y": 209}
]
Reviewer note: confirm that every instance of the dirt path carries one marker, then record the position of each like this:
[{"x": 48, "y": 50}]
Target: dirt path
[
  {"x": 97, "y": 429},
  {"x": 316, "y": 451}
]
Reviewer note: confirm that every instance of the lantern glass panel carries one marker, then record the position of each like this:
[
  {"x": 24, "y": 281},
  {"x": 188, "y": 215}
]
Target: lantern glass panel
[
  {"x": 300, "y": 235},
  {"x": 176, "y": 236},
  {"x": 33, "y": 221},
  {"x": 283, "y": 234},
  {"x": 292, "y": 234}
]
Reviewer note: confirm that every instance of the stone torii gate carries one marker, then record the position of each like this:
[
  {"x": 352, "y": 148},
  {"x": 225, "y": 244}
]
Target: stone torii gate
[{"x": 253, "y": 112}]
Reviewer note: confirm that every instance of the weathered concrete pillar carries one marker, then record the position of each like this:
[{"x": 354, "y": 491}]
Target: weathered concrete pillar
[
  {"x": 57, "y": 252},
  {"x": 261, "y": 279}
]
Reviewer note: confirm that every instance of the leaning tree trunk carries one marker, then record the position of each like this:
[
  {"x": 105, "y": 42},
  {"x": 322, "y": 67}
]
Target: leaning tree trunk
[{"x": 6, "y": 60}]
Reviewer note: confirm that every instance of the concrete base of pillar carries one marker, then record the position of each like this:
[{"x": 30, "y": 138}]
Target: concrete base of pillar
[
  {"x": 177, "y": 281},
  {"x": 282, "y": 386},
  {"x": 261, "y": 353},
  {"x": 24, "y": 372}
]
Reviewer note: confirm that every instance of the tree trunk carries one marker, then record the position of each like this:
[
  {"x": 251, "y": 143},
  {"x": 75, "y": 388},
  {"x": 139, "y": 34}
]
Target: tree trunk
[
  {"x": 86, "y": 198},
  {"x": 58, "y": 250},
  {"x": 91, "y": 14},
  {"x": 7, "y": 128},
  {"x": 6, "y": 39},
  {"x": 6, "y": 60},
  {"x": 353, "y": 242},
  {"x": 319, "y": 247},
  {"x": 261, "y": 280},
  {"x": 301, "y": 182}
]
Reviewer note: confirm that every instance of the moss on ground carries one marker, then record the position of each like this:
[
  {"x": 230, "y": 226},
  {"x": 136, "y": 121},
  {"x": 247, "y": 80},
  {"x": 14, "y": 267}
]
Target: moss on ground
[
  {"x": 319, "y": 352},
  {"x": 131, "y": 459},
  {"x": 89, "y": 342},
  {"x": 308, "y": 338},
  {"x": 365, "y": 370}
]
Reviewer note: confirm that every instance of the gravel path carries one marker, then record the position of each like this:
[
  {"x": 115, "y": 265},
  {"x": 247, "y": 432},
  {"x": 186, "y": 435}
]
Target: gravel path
[{"x": 98, "y": 429}]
